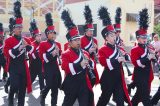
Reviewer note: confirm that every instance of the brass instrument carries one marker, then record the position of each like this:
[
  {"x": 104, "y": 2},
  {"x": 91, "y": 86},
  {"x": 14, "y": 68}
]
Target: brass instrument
[
  {"x": 124, "y": 63},
  {"x": 90, "y": 69}
]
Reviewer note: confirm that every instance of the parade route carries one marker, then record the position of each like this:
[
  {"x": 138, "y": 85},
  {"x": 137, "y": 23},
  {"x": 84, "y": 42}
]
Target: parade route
[{"x": 34, "y": 100}]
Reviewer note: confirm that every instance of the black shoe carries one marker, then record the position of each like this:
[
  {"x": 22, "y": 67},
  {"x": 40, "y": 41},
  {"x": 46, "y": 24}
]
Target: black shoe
[
  {"x": 6, "y": 88},
  {"x": 42, "y": 100}
]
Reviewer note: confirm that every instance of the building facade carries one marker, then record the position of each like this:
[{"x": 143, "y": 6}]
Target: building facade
[
  {"x": 38, "y": 9},
  {"x": 30, "y": 9},
  {"x": 130, "y": 11}
]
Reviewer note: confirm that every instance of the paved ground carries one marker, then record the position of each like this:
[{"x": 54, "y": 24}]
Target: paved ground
[{"x": 33, "y": 98}]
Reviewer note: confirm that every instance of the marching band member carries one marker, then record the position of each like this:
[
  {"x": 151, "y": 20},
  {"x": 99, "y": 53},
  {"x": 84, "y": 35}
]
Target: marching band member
[
  {"x": 112, "y": 79},
  {"x": 11, "y": 21},
  {"x": 119, "y": 41},
  {"x": 49, "y": 51},
  {"x": 75, "y": 63},
  {"x": 35, "y": 63},
  {"x": 89, "y": 44},
  {"x": 141, "y": 59},
  {"x": 15, "y": 49}
]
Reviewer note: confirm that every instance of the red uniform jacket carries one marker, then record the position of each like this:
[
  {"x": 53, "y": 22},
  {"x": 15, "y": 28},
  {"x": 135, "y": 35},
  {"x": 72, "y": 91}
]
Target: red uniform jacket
[
  {"x": 31, "y": 39},
  {"x": 13, "y": 43},
  {"x": 86, "y": 44},
  {"x": 108, "y": 58},
  {"x": 45, "y": 48},
  {"x": 70, "y": 60},
  {"x": 138, "y": 57},
  {"x": 66, "y": 46},
  {"x": 34, "y": 53}
]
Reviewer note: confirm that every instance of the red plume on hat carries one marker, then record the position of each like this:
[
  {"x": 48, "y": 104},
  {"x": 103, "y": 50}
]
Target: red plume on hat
[
  {"x": 143, "y": 23},
  {"x": 117, "y": 24},
  {"x": 88, "y": 18},
  {"x": 73, "y": 32},
  {"x": 17, "y": 14},
  {"x": 104, "y": 16}
]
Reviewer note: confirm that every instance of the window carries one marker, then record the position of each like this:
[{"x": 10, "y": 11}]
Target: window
[
  {"x": 132, "y": 17},
  {"x": 2, "y": 7},
  {"x": 81, "y": 30}
]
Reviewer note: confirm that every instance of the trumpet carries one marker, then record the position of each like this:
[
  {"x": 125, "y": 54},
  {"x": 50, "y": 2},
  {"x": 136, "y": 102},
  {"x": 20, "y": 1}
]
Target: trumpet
[
  {"x": 90, "y": 69},
  {"x": 124, "y": 63}
]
